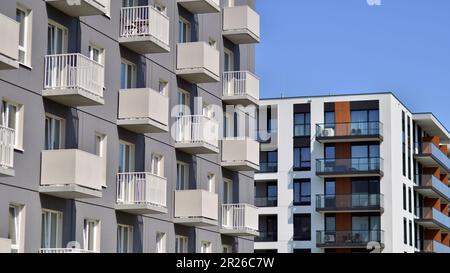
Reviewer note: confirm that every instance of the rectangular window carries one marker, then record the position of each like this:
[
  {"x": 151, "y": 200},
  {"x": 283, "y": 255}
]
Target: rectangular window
[
  {"x": 126, "y": 157},
  {"x": 57, "y": 40},
  {"x": 12, "y": 118},
  {"x": 163, "y": 87},
  {"x": 405, "y": 231},
  {"x": 182, "y": 176},
  {"x": 410, "y": 233},
  {"x": 302, "y": 192},
  {"x": 129, "y": 3},
  {"x": 91, "y": 235},
  {"x": 211, "y": 183},
  {"x": 128, "y": 75},
  {"x": 302, "y": 158},
  {"x": 96, "y": 54},
  {"x": 160, "y": 242},
  {"x": 410, "y": 200},
  {"x": 124, "y": 239},
  {"x": 16, "y": 225},
  {"x": 302, "y": 124},
  {"x": 184, "y": 31},
  {"x": 24, "y": 18},
  {"x": 51, "y": 230},
  {"x": 181, "y": 244},
  {"x": 157, "y": 167},
  {"x": 404, "y": 143},
  {"x": 53, "y": 132},
  {"x": 404, "y": 197},
  {"x": 206, "y": 247},
  {"x": 330, "y": 120},
  {"x": 302, "y": 227}
]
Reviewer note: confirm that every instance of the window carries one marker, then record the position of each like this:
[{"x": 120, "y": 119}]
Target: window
[
  {"x": 227, "y": 191},
  {"x": 211, "y": 183},
  {"x": 53, "y": 132},
  {"x": 330, "y": 223},
  {"x": 183, "y": 103},
  {"x": 404, "y": 197},
  {"x": 329, "y": 120},
  {"x": 129, "y": 3},
  {"x": 126, "y": 157},
  {"x": 12, "y": 117},
  {"x": 51, "y": 232},
  {"x": 302, "y": 192},
  {"x": 91, "y": 235},
  {"x": 227, "y": 249},
  {"x": 410, "y": 199},
  {"x": 409, "y": 149},
  {"x": 127, "y": 75},
  {"x": 160, "y": 242},
  {"x": 157, "y": 165},
  {"x": 206, "y": 247},
  {"x": 405, "y": 231},
  {"x": 181, "y": 244},
  {"x": 124, "y": 239},
  {"x": 330, "y": 152},
  {"x": 57, "y": 39},
  {"x": 272, "y": 194},
  {"x": 269, "y": 161},
  {"x": 24, "y": 18},
  {"x": 364, "y": 122},
  {"x": 228, "y": 61},
  {"x": 302, "y": 227},
  {"x": 163, "y": 87},
  {"x": 16, "y": 225},
  {"x": 302, "y": 159},
  {"x": 302, "y": 124},
  {"x": 366, "y": 228},
  {"x": 96, "y": 54},
  {"x": 410, "y": 233},
  {"x": 100, "y": 145},
  {"x": 184, "y": 31},
  {"x": 182, "y": 176},
  {"x": 365, "y": 157},
  {"x": 404, "y": 144}
]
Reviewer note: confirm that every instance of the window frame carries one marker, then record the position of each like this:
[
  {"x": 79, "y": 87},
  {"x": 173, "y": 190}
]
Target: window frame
[
  {"x": 184, "y": 245},
  {"x": 95, "y": 236},
  {"x": 53, "y": 119},
  {"x": 19, "y": 219},
  {"x": 121, "y": 228},
  {"x": 59, "y": 228},
  {"x": 161, "y": 242},
  {"x": 28, "y": 32},
  {"x": 184, "y": 37},
  {"x": 128, "y": 65},
  {"x": 131, "y": 159},
  {"x": 159, "y": 159},
  {"x": 307, "y": 234},
  {"x": 301, "y": 183},
  {"x": 183, "y": 185},
  {"x": 18, "y": 120}
]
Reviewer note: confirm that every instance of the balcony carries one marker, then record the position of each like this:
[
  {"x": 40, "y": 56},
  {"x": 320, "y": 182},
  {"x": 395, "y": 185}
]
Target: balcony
[
  {"x": 267, "y": 236},
  {"x": 432, "y": 218},
  {"x": 9, "y": 53},
  {"x": 141, "y": 193},
  {"x": 349, "y": 203},
  {"x": 197, "y": 135},
  {"x": 239, "y": 220},
  {"x": 432, "y": 187},
  {"x": 349, "y": 167},
  {"x": 5, "y": 245},
  {"x": 200, "y": 6},
  {"x": 266, "y": 201},
  {"x": 64, "y": 250},
  {"x": 240, "y": 154},
  {"x": 73, "y": 80},
  {"x": 241, "y": 25},
  {"x": 240, "y": 88},
  {"x": 429, "y": 155},
  {"x": 196, "y": 208},
  {"x": 432, "y": 246},
  {"x": 348, "y": 239},
  {"x": 349, "y": 132},
  {"x": 143, "y": 111},
  {"x": 7, "y": 138},
  {"x": 198, "y": 62},
  {"x": 144, "y": 30},
  {"x": 71, "y": 174},
  {"x": 76, "y": 8}
]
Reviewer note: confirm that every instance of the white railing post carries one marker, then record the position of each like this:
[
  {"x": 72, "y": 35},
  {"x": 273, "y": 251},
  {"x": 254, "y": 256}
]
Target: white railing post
[{"x": 7, "y": 139}]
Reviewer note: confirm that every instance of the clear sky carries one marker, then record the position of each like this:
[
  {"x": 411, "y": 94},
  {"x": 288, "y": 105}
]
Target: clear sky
[{"x": 321, "y": 47}]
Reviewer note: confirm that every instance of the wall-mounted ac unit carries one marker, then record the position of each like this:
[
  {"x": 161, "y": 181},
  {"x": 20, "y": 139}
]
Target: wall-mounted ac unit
[{"x": 328, "y": 132}]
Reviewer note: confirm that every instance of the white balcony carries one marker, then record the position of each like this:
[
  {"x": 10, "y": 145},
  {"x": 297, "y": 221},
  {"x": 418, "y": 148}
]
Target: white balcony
[
  {"x": 198, "y": 62},
  {"x": 240, "y": 88},
  {"x": 71, "y": 174},
  {"x": 7, "y": 137},
  {"x": 78, "y": 8},
  {"x": 5, "y": 245},
  {"x": 141, "y": 193},
  {"x": 239, "y": 220},
  {"x": 144, "y": 30},
  {"x": 240, "y": 154},
  {"x": 73, "y": 80},
  {"x": 241, "y": 25},
  {"x": 197, "y": 135},
  {"x": 143, "y": 110},
  {"x": 200, "y": 6},
  {"x": 196, "y": 208},
  {"x": 9, "y": 53},
  {"x": 64, "y": 250}
]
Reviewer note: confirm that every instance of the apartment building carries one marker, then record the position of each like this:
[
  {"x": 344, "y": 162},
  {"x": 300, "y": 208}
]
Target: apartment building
[
  {"x": 95, "y": 155},
  {"x": 351, "y": 173}
]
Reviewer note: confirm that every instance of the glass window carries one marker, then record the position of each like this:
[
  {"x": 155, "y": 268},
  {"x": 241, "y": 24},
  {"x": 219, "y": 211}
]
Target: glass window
[
  {"x": 15, "y": 226},
  {"x": 302, "y": 192},
  {"x": 182, "y": 176},
  {"x": 91, "y": 235},
  {"x": 330, "y": 152},
  {"x": 181, "y": 244},
  {"x": 51, "y": 230},
  {"x": 23, "y": 17},
  {"x": 302, "y": 124},
  {"x": 160, "y": 242},
  {"x": 126, "y": 157},
  {"x": 330, "y": 223},
  {"x": 53, "y": 133},
  {"x": 184, "y": 31},
  {"x": 302, "y": 159},
  {"x": 302, "y": 227},
  {"x": 127, "y": 75},
  {"x": 272, "y": 194},
  {"x": 329, "y": 120},
  {"x": 124, "y": 239}
]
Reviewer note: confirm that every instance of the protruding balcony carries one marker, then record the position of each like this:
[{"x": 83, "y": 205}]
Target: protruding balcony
[
  {"x": 5, "y": 245},
  {"x": 349, "y": 132},
  {"x": 9, "y": 53},
  {"x": 7, "y": 137},
  {"x": 197, "y": 135},
  {"x": 349, "y": 167},
  {"x": 432, "y": 246},
  {"x": 144, "y": 30},
  {"x": 432, "y": 218},
  {"x": 239, "y": 220},
  {"x": 430, "y": 186},
  {"x": 348, "y": 238},
  {"x": 200, "y": 6},
  {"x": 141, "y": 193},
  {"x": 349, "y": 203},
  {"x": 73, "y": 80},
  {"x": 240, "y": 154},
  {"x": 76, "y": 8},
  {"x": 241, "y": 25},
  {"x": 240, "y": 88},
  {"x": 196, "y": 208},
  {"x": 198, "y": 62},
  {"x": 429, "y": 155},
  {"x": 64, "y": 250},
  {"x": 71, "y": 174},
  {"x": 143, "y": 111}
]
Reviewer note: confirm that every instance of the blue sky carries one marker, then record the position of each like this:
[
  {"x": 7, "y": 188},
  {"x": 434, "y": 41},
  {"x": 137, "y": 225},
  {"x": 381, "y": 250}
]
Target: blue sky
[{"x": 320, "y": 47}]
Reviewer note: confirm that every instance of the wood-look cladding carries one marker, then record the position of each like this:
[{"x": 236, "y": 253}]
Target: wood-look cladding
[
  {"x": 343, "y": 185},
  {"x": 342, "y": 115},
  {"x": 343, "y": 150},
  {"x": 343, "y": 221},
  {"x": 432, "y": 234},
  {"x": 445, "y": 239},
  {"x": 432, "y": 203}
]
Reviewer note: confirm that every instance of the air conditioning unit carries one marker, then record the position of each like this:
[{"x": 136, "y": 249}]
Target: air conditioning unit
[
  {"x": 328, "y": 132},
  {"x": 329, "y": 238}
]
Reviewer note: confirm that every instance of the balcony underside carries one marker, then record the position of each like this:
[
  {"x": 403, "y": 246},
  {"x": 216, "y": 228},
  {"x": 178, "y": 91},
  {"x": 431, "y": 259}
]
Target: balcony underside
[
  {"x": 240, "y": 166},
  {"x": 142, "y": 125},
  {"x": 7, "y": 172},
  {"x": 244, "y": 100},
  {"x": 429, "y": 160},
  {"x": 85, "y": 8},
  {"x": 350, "y": 210},
  {"x": 362, "y": 245},
  {"x": 197, "y": 148},
  {"x": 350, "y": 174},
  {"x": 141, "y": 209},
  {"x": 239, "y": 232},
  {"x": 432, "y": 224},
  {"x": 432, "y": 192},
  {"x": 197, "y": 75},
  {"x": 241, "y": 36},
  {"x": 195, "y": 221},
  {"x": 7, "y": 63},
  {"x": 200, "y": 6},
  {"x": 145, "y": 44},
  {"x": 341, "y": 139},
  {"x": 70, "y": 191},
  {"x": 73, "y": 97}
]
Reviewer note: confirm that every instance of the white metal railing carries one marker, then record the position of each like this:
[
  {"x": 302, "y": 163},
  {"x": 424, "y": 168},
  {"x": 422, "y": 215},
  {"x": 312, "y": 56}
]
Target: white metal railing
[
  {"x": 7, "y": 139},
  {"x": 240, "y": 83},
  {"x": 64, "y": 250},
  {"x": 239, "y": 217},
  {"x": 197, "y": 129},
  {"x": 141, "y": 188},
  {"x": 144, "y": 21},
  {"x": 69, "y": 71}
]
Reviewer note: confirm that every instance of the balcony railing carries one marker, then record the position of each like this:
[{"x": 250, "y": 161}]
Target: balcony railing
[
  {"x": 197, "y": 129},
  {"x": 7, "y": 138},
  {"x": 74, "y": 71},
  {"x": 267, "y": 236},
  {"x": 430, "y": 181},
  {"x": 265, "y": 201},
  {"x": 432, "y": 246},
  {"x": 429, "y": 149},
  {"x": 350, "y": 166},
  {"x": 141, "y": 188},
  {"x": 437, "y": 218},
  {"x": 64, "y": 250},
  {"x": 349, "y": 202},
  {"x": 268, "y": 167},
  {"x": 240, "y": 217},
  {"x": 348, "y": 238},
  {"x": 354, "y": 130},
  {"x": 238, "y": 84}
]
